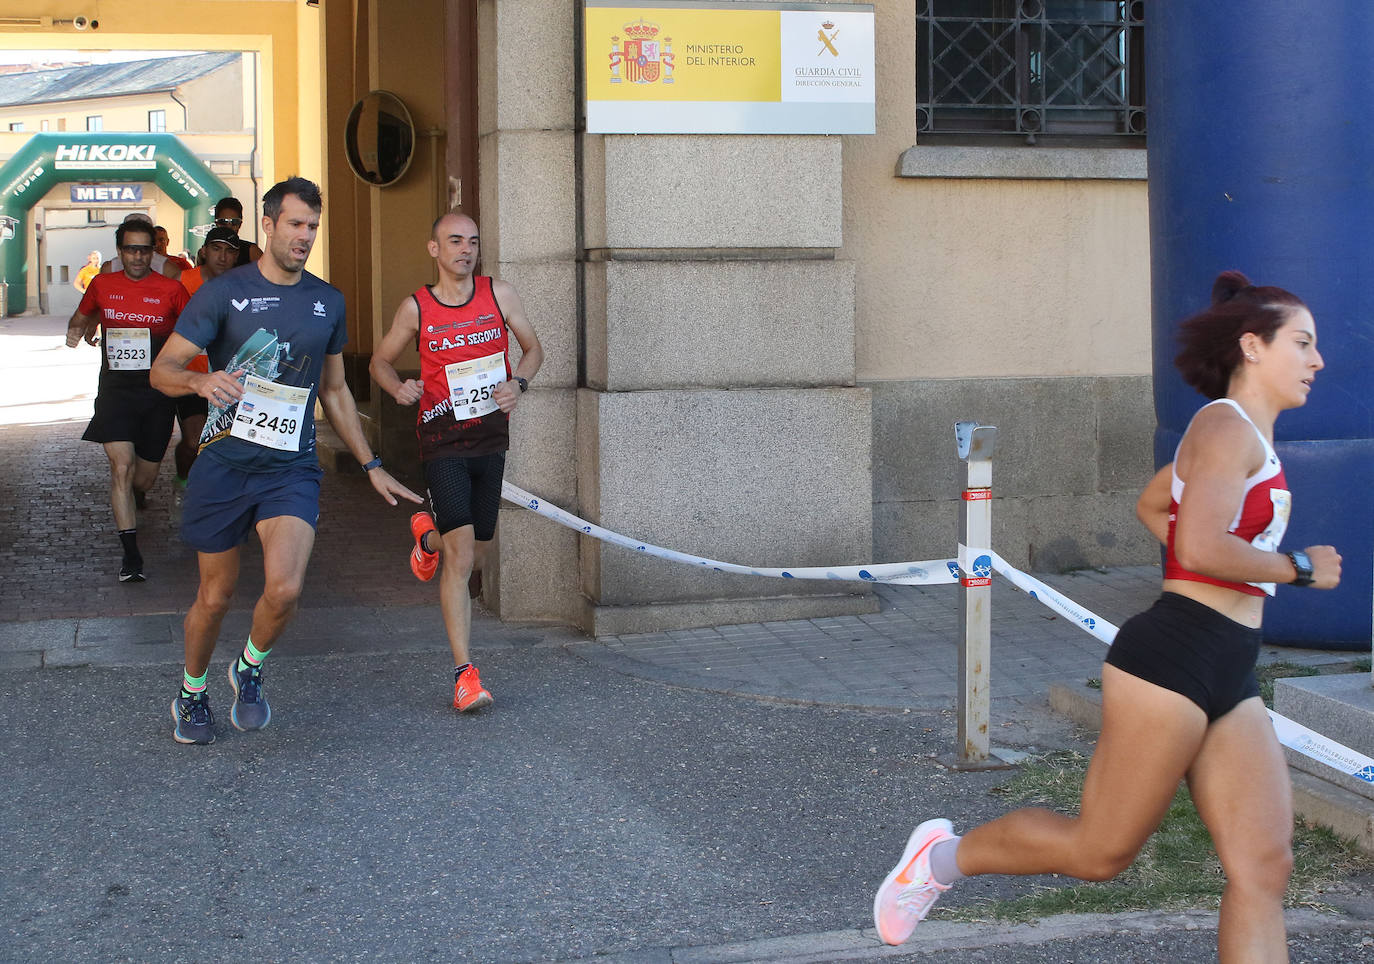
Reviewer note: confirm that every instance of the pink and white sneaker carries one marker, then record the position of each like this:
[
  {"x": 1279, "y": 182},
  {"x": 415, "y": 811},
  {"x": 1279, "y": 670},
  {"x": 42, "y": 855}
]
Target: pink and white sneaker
[{"x": 910, "y": 890}]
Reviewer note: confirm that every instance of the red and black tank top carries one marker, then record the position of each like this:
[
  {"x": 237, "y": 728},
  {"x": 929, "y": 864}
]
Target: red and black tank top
[
  {"x": 1261, "y": 519},
  {"x": 464, "y": 350}
]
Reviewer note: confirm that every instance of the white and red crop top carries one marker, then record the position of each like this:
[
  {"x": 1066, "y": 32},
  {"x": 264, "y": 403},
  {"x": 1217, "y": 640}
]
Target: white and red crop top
[{"x": 1261, "y": 519}]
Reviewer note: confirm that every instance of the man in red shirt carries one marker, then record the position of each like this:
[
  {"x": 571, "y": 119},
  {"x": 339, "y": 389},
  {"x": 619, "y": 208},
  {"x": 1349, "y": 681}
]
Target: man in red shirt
[
  {"x": 131, "y": 312},
  {"x": 466, "y": 390}
]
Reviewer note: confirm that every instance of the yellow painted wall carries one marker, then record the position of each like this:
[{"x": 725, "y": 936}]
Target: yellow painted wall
[
  {"x": 968, "y": 278},
  {"x": 276, "y": 29}
]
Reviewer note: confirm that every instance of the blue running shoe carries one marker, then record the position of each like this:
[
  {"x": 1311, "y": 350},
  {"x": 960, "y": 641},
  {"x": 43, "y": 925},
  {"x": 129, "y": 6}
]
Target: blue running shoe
[
  {"x": 250, "y": 711},
  {"x": 194, "y": 721}
]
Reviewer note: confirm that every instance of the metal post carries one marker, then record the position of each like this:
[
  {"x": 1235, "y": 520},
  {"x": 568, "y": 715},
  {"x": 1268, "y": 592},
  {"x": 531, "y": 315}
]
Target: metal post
[{"x": 976, "y": 443}]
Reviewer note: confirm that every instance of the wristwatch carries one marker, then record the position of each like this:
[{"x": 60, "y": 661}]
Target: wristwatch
[
  {"x": 524, "y": 383},
  {"x": 1304, "y": 567}
]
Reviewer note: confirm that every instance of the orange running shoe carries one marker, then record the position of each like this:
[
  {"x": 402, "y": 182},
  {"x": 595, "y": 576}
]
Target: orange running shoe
[
  {"x": 422, "y": 562},
  {"x": 468, "y": 692}
]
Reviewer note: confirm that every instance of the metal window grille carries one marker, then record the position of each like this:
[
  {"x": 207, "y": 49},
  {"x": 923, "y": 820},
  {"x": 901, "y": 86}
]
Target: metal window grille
[{"x": 1030, "y": 67}]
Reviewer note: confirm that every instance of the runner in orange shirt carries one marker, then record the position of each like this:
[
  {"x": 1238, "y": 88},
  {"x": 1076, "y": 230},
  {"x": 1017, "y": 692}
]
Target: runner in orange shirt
[{"x": 221, "y": 251}]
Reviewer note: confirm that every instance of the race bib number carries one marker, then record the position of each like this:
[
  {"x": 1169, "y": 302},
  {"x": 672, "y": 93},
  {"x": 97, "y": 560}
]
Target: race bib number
[
  {"x": 271, "y": 415},
  {"x": 128, "y": 349},
  {"x": 470, "y": 384}
]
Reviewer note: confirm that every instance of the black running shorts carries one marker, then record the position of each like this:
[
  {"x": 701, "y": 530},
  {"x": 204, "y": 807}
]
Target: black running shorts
[
  {"x": 132, "y": 413},
  {"x": 1191, "y": 649},
  {"x": 466, "y": 491},
  {"x": 189, "y": 406}
]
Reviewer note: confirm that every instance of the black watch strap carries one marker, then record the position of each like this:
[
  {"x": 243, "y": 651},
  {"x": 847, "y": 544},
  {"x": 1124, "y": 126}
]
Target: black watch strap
[
  {"x": 524, "y": 383},
  {"x": 1303, "y": 565}
]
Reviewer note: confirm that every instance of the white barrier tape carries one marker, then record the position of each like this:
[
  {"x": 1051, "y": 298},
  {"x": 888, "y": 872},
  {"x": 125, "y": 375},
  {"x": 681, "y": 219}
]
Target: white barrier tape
[
  {"x": 979, "y": 564},
  {"x": 1293, "y": 735},
  {"x": 933, "y": 572},
  {"x": 1314, "y": 745},
  {"x": 1063, "y": 605}
]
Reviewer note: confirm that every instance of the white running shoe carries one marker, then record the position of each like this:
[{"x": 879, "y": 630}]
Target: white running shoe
[{"x": 910, "y": 890}]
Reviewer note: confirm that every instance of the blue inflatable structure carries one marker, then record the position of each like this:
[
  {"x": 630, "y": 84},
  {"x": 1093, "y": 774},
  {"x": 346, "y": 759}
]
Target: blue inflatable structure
[{"x": 1261, "y": 158}]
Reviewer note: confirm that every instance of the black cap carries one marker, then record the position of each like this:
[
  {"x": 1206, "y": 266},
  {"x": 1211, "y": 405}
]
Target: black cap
[{"x": 225, "y": 235}]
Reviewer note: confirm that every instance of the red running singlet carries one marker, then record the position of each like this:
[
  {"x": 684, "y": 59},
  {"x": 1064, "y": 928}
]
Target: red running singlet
[
  {"x": 1261, "y": 519},
  {"x": 449, "y": 335}
]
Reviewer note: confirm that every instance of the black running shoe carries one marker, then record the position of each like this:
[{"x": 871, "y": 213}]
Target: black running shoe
[
  {"x": 194, "y": 721},
  {"x": 131, "y": 571}
]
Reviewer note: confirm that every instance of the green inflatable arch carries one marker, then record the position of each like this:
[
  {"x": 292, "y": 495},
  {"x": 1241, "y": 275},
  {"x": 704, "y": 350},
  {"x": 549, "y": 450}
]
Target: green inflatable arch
[{"x": 52, "y": 158}]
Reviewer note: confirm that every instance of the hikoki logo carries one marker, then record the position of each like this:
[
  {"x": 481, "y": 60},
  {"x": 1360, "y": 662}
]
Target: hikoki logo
[{"x": 105, "y": 152}]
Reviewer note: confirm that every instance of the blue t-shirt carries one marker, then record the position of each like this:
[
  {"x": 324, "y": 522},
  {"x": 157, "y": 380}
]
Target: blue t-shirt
[{"x": 280, "y": 333}]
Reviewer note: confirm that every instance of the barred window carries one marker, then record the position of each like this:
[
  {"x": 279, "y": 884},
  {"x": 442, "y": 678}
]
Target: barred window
[{"x": 1031, "y": 68}]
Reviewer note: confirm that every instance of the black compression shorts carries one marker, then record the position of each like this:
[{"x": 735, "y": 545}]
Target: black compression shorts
[
  {"x": 1191, "y": 649},
  {"x": 466, "y": 491},
  {"x": 189, "y": 406}
]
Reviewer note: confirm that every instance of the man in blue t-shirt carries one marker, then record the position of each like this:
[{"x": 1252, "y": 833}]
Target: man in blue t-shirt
[{"x": 275, "y": 335}]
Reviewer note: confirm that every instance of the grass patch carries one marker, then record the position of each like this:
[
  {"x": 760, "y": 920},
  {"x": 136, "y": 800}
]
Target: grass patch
[
  {"x": 1176, "y": 870},
  {"x": 1266, "y": 673}
]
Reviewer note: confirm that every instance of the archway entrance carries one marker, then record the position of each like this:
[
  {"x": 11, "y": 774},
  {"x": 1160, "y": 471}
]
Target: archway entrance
[{"x": 97, "y": 158}]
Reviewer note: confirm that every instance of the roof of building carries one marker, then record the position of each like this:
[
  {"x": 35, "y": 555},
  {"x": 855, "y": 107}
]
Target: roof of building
[{"x": 109, "y": 80}]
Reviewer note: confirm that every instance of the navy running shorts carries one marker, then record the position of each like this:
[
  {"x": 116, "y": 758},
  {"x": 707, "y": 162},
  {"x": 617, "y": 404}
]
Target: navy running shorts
[
  {"x": 466, "y": 491},
  {"x": 136, "y": 413},
  {"x": 223, "y": 503},
  {"x": 1191, "y": 649}
]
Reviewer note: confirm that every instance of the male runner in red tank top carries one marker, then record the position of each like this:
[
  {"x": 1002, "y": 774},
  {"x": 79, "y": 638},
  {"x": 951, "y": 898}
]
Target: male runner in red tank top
[{"x": 466, "y": 390}]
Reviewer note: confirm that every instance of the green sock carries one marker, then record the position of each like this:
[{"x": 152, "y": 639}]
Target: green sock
[
  {"x": 251, "y": 656},
  {"x": 192, "y": 686}
]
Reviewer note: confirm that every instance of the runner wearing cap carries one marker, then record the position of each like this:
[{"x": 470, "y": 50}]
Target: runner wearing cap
[
  {"x": 229, "y": 214},
  {"x": 221, "y": 249},
  {"x": 134, "y": 310},
  {"x": 221, "y": 253},
  {"x": 466, "y": 392}
]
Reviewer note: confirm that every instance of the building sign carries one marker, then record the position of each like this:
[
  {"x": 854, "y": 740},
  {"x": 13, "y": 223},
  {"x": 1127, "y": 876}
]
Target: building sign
[
  {"x": 704, "y": 67},
  {"x": 107, "y": 193}
]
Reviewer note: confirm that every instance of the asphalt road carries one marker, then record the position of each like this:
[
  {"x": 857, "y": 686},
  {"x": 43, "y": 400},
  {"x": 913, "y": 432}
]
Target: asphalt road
[{"x": 586, "y": 815}]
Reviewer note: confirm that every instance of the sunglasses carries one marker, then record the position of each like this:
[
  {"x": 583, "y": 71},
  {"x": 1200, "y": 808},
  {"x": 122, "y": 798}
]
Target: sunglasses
[{"x": 235, "y": 222}]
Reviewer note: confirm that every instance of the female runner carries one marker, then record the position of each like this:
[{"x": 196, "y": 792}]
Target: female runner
[{"x": 1179, "y": 694}]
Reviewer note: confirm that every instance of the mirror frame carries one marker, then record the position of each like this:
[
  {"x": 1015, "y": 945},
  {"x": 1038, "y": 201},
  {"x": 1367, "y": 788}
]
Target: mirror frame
[{"x": 395, "y": 105}]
